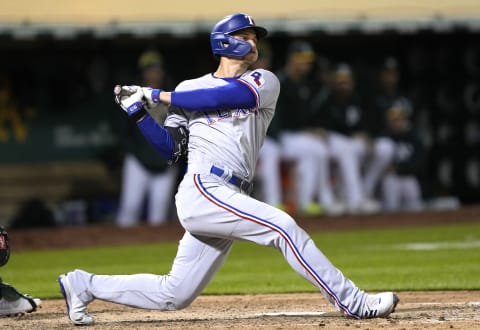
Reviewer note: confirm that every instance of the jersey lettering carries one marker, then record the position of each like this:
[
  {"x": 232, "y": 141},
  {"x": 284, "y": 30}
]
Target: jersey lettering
[
  {"x": 245, "y": 112},
  {"x": 224, "y": 114}
]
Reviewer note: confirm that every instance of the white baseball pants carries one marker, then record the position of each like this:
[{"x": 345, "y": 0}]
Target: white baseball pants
[
  {"x": 312, "y": 171},
  {"x": 215, "y": 214},
  {"x": 138, "y": 183}
]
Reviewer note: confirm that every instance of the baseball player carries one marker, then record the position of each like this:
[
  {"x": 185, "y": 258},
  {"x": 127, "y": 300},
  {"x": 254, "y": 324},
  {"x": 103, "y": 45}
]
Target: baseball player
[
  {"x": 401, "y": 190},
  {"x": 343, "y": 117},
  {"x": 299, "y": 144},
  {"x": 12, "y": 302},
  {"x": 227, "y": 113}
]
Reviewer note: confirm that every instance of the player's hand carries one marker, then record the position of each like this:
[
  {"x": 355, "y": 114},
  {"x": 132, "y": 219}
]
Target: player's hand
[
  {"x": 152, "y": 97},
  {"x": 130, "y": 99}
]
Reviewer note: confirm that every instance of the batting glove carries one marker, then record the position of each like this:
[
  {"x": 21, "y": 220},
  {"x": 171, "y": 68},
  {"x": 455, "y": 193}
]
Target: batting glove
[
  {"x": 130, "y": 99},
  {"x": 152, "y": 97}
]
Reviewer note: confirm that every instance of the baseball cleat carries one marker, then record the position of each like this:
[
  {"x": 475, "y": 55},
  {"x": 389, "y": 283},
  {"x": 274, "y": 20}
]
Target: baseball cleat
[
  {"x": 76, "y": 309},
  {"x": 19, "y": 306},
  {"x": 379, "y": 305}
]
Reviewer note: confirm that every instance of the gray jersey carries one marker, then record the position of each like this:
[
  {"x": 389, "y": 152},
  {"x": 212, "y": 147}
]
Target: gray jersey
[{"x": 229, "y": 138}]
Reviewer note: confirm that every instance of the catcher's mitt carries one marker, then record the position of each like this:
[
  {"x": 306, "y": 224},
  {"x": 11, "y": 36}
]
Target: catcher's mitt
[{"x": 4, "y": 247}]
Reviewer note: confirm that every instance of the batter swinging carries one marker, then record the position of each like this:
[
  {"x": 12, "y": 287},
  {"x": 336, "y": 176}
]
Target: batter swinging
[{"x": 227, "y": 114}]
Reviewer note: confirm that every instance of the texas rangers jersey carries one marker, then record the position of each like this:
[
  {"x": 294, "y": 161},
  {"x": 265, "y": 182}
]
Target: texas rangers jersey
[{"x": 229, "y": 138}]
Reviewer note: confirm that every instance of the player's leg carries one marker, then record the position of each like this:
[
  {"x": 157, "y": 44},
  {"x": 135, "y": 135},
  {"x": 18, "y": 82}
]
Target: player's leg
[
  {"x": 198, "y": 259},
  {"x": 412, "y": 193},
  {"x": 309, "y": 159},
  {"x": 134, "y": 183},
  {"x": 269, "y": 172},
  {"x": 380, "y": 159},
  {"x": 391, "y": 193},
  {"x": 161, "y": 192},
  {"x": 324, "y": 186},
  {"x": 342, "y": 150},
  {"x": 230, "y": 214}
]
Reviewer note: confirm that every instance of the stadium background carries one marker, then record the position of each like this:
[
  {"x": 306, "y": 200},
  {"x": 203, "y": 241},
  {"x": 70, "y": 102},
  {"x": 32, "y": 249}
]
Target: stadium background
[{"x": 60, "y": 59}]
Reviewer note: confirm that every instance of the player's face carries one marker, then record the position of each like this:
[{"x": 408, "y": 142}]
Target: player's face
[{"x": 249, "y": 35}]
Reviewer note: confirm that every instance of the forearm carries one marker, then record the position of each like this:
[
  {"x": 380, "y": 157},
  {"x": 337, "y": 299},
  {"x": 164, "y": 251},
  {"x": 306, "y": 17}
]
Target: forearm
[{"x": 157, "y": 135}]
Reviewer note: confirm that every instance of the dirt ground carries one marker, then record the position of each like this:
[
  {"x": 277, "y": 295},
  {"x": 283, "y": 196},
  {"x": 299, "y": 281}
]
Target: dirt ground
[{"x": 416, "y": 310}]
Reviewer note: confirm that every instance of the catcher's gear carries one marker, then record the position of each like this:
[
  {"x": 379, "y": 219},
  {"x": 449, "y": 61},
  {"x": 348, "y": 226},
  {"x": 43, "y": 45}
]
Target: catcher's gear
[
  {"x": 180, "y": 143},
  {"x": 4, "y": 247},
  {"x": 223, "y": 44},
  {"x": 130, "y": 99},
  {"x": 13, "y": 302}
]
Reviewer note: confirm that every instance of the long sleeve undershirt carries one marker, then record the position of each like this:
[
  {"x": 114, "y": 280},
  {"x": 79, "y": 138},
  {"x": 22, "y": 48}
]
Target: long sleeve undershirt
[{"x": 235, "y": 94}]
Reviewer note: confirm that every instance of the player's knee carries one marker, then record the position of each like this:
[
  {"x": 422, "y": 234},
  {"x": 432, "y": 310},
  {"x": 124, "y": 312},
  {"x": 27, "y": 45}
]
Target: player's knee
[
  {"x": 384, "y": 149},
  {"x": 180, "y": 302},
  {"x": 287, "y": 225}
]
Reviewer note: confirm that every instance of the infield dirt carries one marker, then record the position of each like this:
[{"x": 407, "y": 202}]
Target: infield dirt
[{"x": 416, "y": 310}]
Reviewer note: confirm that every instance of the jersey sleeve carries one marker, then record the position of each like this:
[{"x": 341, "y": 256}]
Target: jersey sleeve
[
  {"x": 231, "y": 95},
  {"x": 176, "y": 117},
  {"x": 265, "y": 85},
  {"x": 255, "y": 89}
]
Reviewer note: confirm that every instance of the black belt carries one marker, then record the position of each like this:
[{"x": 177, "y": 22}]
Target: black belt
[{"x": 244, "y": 185}]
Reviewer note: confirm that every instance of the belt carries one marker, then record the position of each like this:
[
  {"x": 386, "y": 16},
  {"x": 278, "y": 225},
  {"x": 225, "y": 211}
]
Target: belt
[{"x": 244, "y": 185}]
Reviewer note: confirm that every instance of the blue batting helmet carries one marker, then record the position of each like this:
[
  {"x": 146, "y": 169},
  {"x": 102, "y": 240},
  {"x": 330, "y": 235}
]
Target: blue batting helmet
[{"x": 224, "y": 44}]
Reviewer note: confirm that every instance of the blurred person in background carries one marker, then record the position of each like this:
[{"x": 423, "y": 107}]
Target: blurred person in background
[
  {"x": 269, "y": 162},
  {"x": 145, "y": 174},
  {"x": 387, "y": 96},
  {"x": 401, "y": 190},
  {"x": 323, "y": 77},
  {"x": 299, "y": 144},
  {"x": 342, "y": 117}
]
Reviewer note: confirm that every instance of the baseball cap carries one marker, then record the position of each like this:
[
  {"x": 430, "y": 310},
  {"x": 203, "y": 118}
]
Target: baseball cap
[
  {"x": 301, "y": 50},
  {"x": 150, "y": 58},
  {"x": 398, "y": 110},
  {"x": 343, "y": 70}
]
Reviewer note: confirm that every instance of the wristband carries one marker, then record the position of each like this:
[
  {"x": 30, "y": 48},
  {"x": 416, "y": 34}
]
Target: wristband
[
  {"x": 136, "y": 111},
  {"x": 156, "y": 95}
]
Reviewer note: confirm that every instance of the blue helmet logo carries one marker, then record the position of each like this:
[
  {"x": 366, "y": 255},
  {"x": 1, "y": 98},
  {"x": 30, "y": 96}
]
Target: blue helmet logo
[{"x": 224, "y": 44}]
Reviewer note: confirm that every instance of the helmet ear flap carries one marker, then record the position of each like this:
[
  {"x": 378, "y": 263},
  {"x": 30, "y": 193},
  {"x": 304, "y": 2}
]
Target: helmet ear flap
[{"x": 226, "y": 45}]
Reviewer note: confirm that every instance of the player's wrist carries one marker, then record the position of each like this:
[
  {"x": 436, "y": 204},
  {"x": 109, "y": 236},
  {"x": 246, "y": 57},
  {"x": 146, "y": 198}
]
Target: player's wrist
[
  {"x": 155, "y": 95},
  {"x": 136, "y": 111}
]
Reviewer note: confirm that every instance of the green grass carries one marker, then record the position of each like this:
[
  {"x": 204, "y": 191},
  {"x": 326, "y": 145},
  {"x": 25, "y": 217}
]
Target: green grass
[{"x": 374, "y": 260}]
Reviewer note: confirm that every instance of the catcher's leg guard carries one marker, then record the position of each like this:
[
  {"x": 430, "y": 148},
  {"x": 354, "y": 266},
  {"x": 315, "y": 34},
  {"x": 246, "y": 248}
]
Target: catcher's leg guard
[{"x": 13, "y": 302}]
